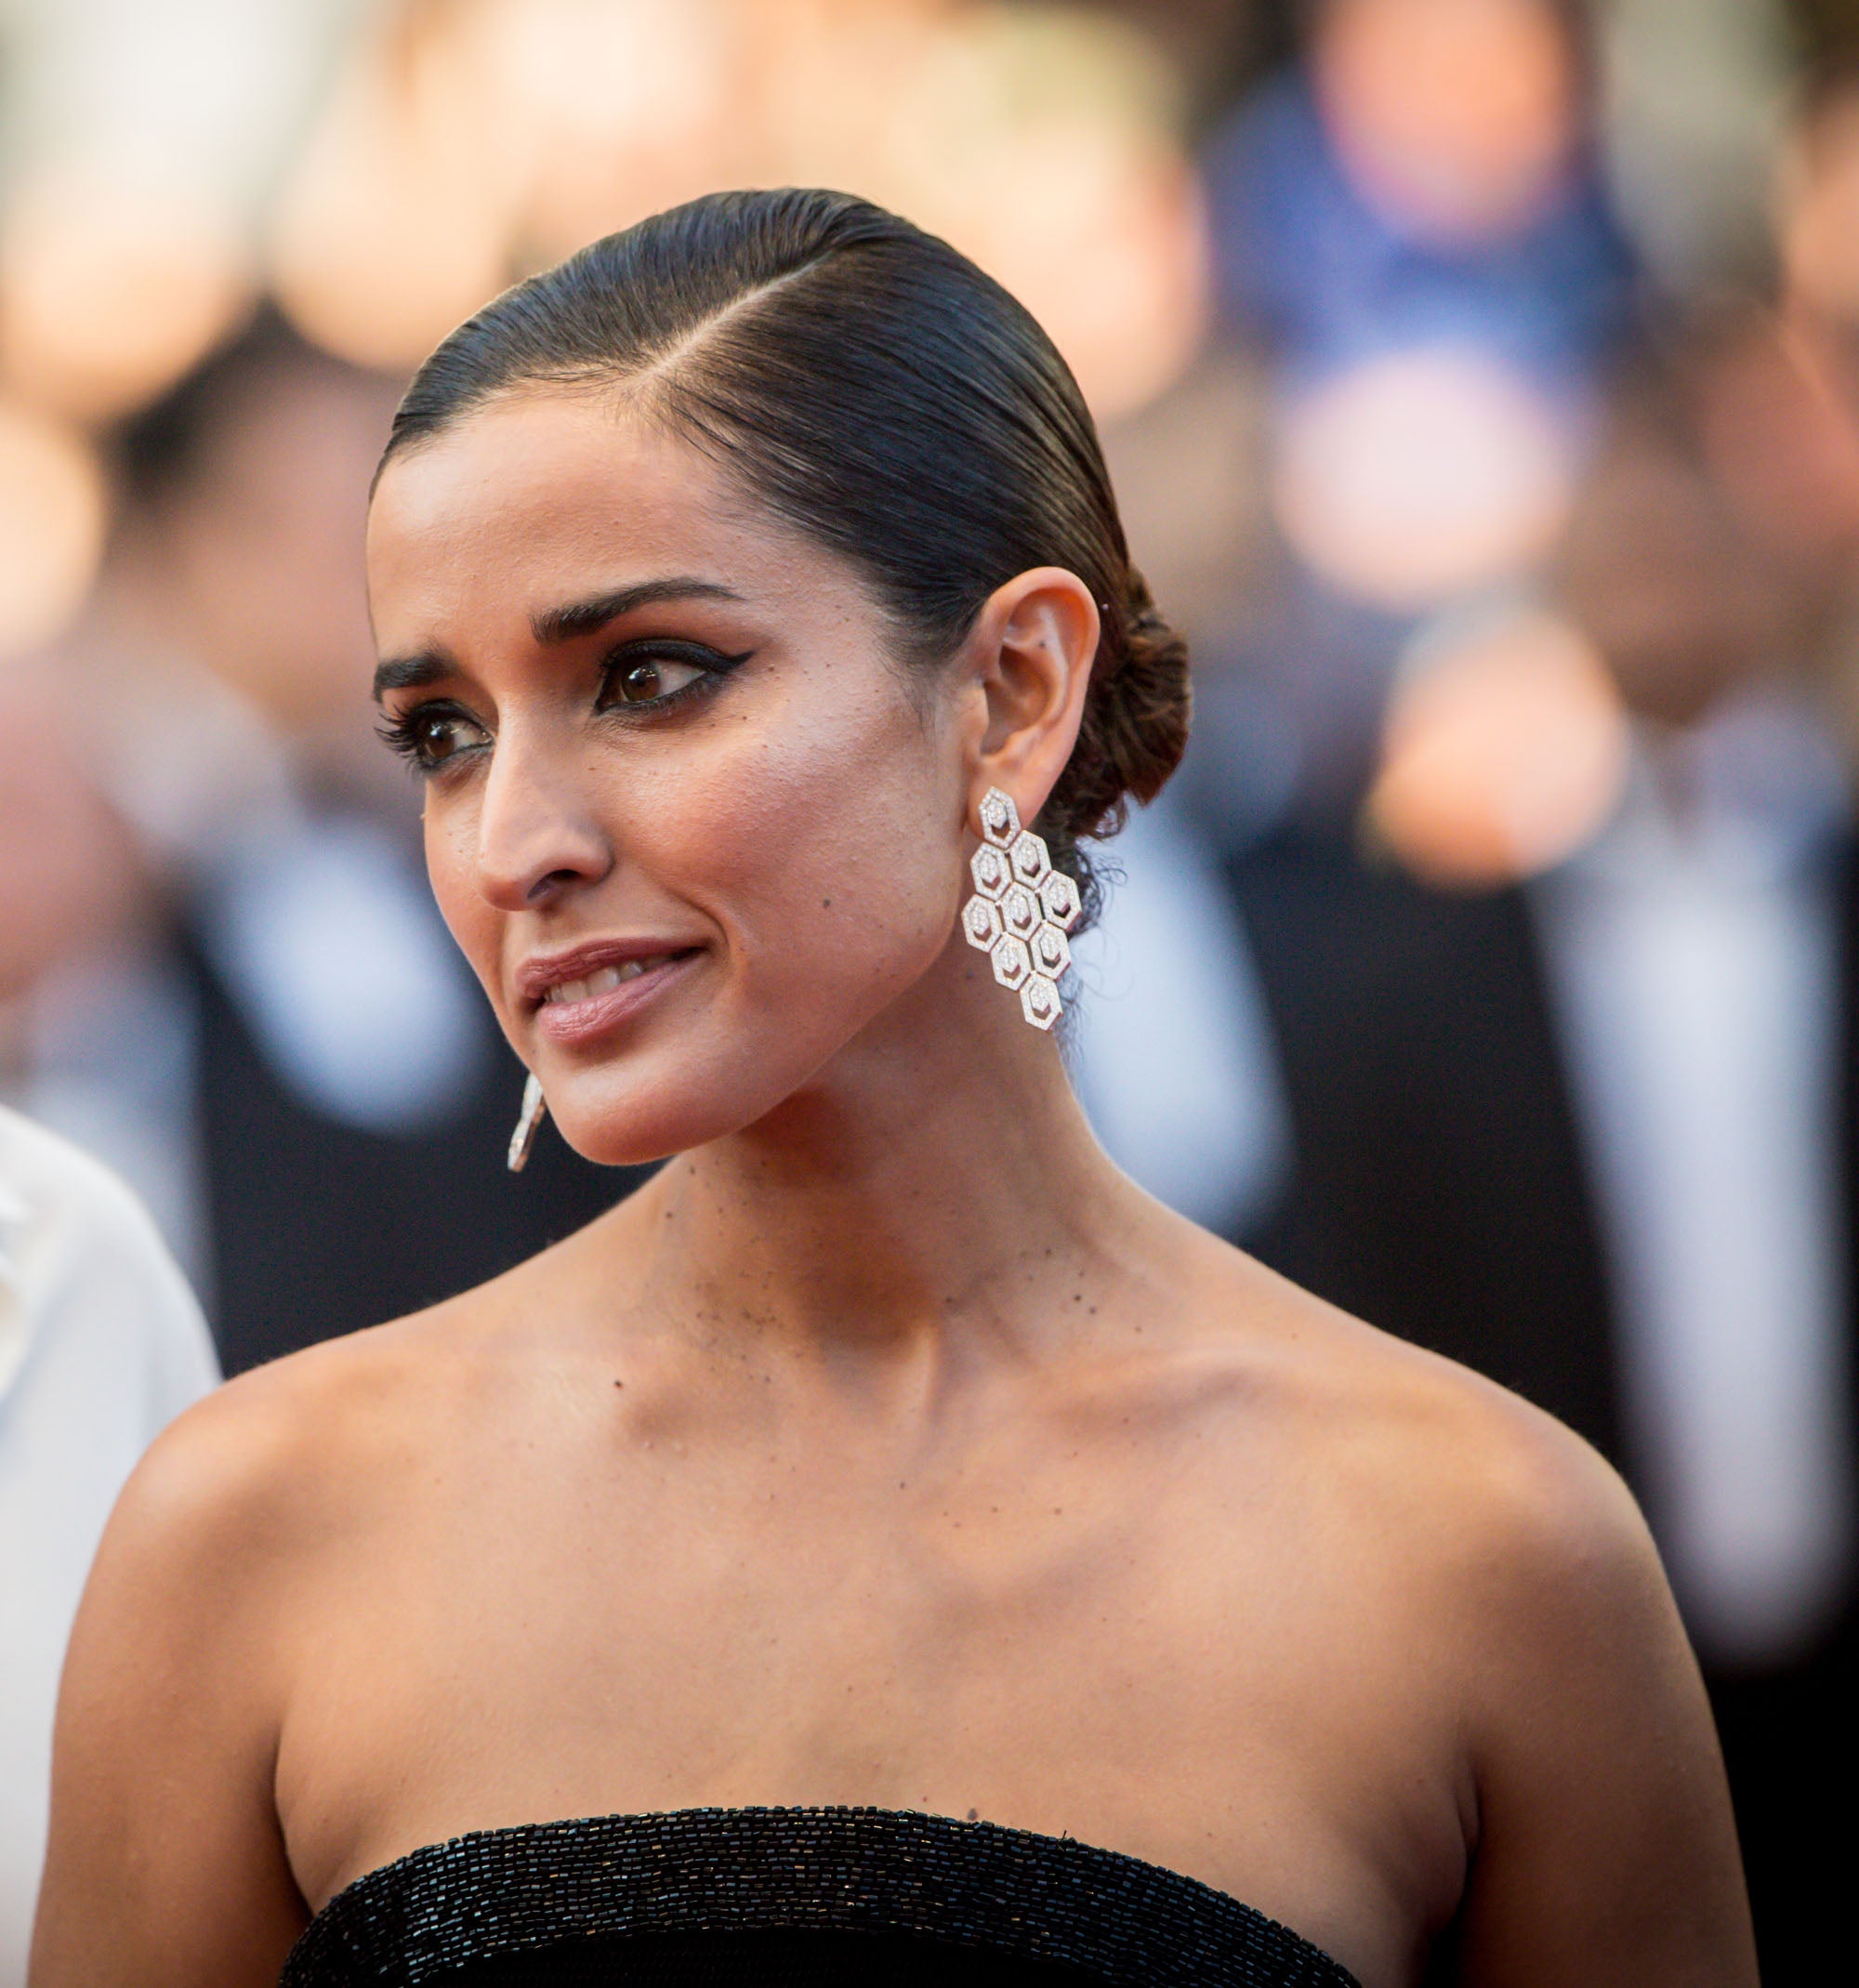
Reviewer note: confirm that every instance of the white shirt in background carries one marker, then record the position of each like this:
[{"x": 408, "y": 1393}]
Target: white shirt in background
[
  {"x": 1693, "y": 957},
  {"x": 102, "y": 1345}
]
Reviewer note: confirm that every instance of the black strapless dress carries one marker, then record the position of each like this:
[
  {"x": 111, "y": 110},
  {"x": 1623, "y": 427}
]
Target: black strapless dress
[{"x": 789, "y": 1898}]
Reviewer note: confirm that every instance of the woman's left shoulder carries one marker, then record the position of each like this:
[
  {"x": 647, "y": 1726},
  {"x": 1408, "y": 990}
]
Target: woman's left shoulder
[
  {"x": 1489, "y": 1576},
  {"x": 1473, "y": 1482}
]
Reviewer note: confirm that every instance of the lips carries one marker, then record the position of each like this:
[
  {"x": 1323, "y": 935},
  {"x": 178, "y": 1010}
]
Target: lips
[
  {"x": 603, "y": 980},
  {"x": 579, "y": 995}
]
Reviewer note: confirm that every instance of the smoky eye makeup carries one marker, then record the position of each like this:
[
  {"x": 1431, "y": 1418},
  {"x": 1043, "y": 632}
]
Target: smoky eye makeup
[
  {"x": 656, "y": 673},
  {"x": 648, "y": 675}
]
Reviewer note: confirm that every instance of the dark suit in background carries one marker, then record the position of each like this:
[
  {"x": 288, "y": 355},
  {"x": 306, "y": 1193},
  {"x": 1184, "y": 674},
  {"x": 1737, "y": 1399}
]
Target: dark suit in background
[
  {"x": 316, "y": 1228},
  {"x": 1440, "y": 1191}
]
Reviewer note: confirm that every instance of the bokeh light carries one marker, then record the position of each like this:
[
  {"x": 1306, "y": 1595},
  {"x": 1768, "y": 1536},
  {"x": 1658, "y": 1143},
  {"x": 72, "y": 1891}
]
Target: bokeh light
[
  {"x": 112, "y": 286},
  {"x": 674, "y": 116},
  {"x": 1819, "y": 199},
  {"x": 395, "y": 223},
  {"x": 1505, "y": 749},
  {"x": 53, "y": 513},
  {"x": 468, "y": 144},
  {"x": 1423, "y": 474}
]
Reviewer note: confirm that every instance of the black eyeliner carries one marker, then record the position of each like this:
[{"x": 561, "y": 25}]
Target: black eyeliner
[
  {"x": 402, "y": 734},
  {"x": 714, "y": 664},
  {"x": 641, "y": 648}
]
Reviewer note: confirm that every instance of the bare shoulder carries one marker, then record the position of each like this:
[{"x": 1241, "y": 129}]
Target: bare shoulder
[
  {"x": 256, "y": 1522},
  {"x": 1476, "y": 1494},
  {"x": 1505, "y": 1569},
  {"x": 298, "y": 1455},
  {"x": 1488, "y": 1535},
  {"x": 166, "y": 1858},
  {"x": 312, "y": 1454}
]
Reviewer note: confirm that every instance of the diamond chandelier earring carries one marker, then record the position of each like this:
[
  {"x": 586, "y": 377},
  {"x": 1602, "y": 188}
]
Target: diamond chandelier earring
[
  {"x": 529, "y": 1123},
  {"x": 1021, "y": 911}
]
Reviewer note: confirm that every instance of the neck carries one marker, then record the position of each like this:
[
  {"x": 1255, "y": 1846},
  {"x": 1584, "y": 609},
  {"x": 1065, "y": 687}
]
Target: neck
[{"x": 937, "y": 1178}]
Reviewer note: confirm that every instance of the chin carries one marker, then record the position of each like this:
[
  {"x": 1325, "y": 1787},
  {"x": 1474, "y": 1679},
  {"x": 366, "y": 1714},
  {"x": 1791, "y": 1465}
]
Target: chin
[
  {"x": 633, "y": 1116},
  {"x": 636, "y": 1133}
]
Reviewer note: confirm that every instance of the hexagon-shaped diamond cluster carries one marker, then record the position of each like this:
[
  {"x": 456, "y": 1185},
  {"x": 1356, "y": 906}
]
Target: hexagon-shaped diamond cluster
[{"x": 1021, "y": 911}]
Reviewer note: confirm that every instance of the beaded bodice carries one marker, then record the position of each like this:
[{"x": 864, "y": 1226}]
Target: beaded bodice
[{"x": 788, "y": 1896}]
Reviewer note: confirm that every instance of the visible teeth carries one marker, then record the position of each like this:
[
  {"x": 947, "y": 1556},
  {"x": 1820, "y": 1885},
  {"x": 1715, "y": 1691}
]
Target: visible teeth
[{"x": 603, "y": 980}]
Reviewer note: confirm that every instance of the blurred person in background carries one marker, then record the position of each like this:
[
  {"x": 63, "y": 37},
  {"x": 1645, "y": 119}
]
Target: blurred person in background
[
  {"x": 1790, "y": 437},
  {"x": 1593, "y": 1132},
  {"x": 1424, "y": 173},
  {"x": 80, "y": 912},
  {"x": 101, "y": 1346},
  {"x": 1409, "y": 219},
  {"x": 238, "y": 991}
]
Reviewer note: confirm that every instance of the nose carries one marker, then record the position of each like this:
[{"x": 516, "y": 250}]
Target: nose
[{"x": 539, "y": 834}]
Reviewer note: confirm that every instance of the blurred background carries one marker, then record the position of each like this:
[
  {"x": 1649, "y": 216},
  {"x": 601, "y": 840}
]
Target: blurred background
[{"x": 1481, "y": 378}]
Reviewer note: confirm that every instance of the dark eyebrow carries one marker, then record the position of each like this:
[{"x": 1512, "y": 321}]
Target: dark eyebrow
[
  {"x": 407, "y": 673},
  {"x": 586, "y": 617},
  {"x": 556, "y": 624}
]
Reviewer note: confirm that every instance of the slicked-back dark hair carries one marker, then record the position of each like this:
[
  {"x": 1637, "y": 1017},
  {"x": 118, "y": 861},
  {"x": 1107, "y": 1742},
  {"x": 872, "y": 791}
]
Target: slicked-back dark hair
[{"x": 878, "y": 392}]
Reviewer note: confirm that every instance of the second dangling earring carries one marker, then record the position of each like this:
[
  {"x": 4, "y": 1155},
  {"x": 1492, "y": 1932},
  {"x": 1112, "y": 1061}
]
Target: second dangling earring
[
  {"x": 529, "y": 1123},
  {"x": 1021, "y": 911}
]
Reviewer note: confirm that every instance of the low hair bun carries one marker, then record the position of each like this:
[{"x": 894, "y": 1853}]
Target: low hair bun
[{"x": 1133, "y": 733}]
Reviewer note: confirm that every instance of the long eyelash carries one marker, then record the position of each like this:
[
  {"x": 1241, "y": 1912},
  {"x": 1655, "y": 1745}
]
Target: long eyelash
[
  {"x": 402, "y": 734},
  {"x": 398, "y": 735}
]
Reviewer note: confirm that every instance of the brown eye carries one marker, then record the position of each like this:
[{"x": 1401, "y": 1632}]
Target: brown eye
[
  {"x": 654, "y": 679},
  {"x": 437, "y": 736},
  {"x": 433, "y": 735}
]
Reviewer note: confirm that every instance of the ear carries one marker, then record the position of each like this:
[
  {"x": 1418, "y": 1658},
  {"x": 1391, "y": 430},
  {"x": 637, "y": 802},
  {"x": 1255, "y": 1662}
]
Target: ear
[{"x": 1029, "y": 659}]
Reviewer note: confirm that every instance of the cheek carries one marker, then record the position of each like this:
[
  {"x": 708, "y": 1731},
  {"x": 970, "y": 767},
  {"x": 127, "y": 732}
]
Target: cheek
[
  {"x": 827, "y": 845},
  {"x": 475, "y": 925}
]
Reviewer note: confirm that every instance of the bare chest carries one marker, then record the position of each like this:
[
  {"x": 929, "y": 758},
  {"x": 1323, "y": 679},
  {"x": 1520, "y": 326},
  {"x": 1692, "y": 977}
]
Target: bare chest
[{"x": 1129, "y": 1663}]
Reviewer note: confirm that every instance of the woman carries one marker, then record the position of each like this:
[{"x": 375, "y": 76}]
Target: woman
[{"x": 906, "y": 1547}]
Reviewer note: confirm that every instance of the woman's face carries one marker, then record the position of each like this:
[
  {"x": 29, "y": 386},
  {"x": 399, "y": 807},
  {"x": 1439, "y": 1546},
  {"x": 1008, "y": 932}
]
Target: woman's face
[{"x": 690, "y": 822}]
